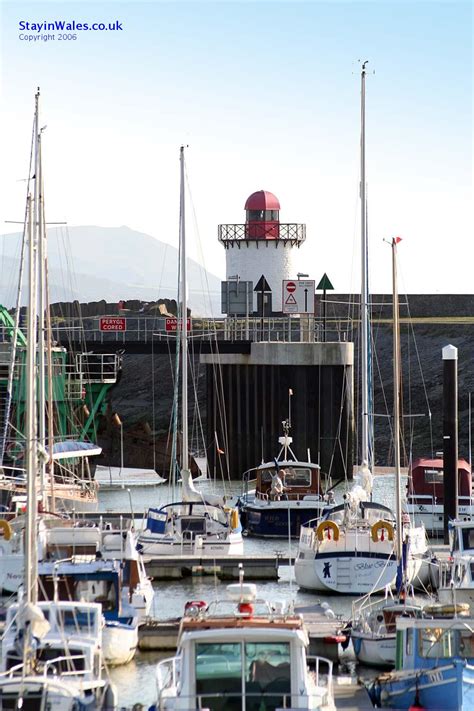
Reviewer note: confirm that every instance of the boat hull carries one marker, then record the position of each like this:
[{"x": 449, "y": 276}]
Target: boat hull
[
  {"x": 351, "y": 573},
  {"x": 119, "y": 643},
  {"x": 442, "y": 688},
  {"x": 270, "y": 520},
  {"x": 432, "y": 516},
  {"x": 155, "y": 545},
  {"x": 11, "y": 572},
  {"x": 374, "y": 650}
]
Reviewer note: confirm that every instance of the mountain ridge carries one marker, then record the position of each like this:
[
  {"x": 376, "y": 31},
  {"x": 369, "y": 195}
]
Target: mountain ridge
[{"x": 113, "y": 263}]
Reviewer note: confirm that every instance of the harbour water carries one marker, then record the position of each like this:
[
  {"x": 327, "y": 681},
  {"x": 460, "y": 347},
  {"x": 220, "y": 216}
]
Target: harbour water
[{"x": 136, "y": 682}]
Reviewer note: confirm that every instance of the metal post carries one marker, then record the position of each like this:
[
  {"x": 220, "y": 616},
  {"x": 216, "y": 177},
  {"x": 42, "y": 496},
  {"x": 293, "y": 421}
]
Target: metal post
[
  {"x": 324, "y": 316},
  {"x": 450, "y": 435}
]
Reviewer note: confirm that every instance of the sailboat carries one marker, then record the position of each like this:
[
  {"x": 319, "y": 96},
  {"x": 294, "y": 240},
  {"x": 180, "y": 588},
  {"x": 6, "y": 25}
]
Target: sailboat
[
  {"x": 51, "y": 652},
  {"x": 355, "y": 547},
  {"x": 65, "y": 476},
  {"x": 198, "y": 524}
]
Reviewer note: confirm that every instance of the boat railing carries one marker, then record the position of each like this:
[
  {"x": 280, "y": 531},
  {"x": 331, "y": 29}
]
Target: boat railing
[
  {"x": 431, "y": 500},
  {"x": 167, "y": 673},
  {"x": 248, "y": 700},
  {"x": 50, "y": 668},
  {"x": 314, "y": 666},
  {"x": 363, "y": 606}
]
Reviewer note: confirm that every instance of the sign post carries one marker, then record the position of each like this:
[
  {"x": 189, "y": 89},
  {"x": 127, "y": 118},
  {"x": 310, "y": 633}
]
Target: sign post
[
  {"x": 324, "y": 285},
  {"x": 263, "y": 287}
]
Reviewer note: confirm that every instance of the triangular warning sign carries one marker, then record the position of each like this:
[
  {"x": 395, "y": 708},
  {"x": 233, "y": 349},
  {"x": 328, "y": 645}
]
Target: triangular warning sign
[
  {"x": 290, "y": 299},
  {"x": 262, "y": 285}
]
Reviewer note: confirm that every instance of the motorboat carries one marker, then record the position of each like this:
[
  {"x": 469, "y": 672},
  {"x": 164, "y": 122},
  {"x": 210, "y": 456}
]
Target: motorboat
[
  {"x": 425, "y": 493},
  {"x": 286, "y": 494},
  {"x": 434, "y": 666},
  {"x": 455, "y": 579},
  {"x": 85, "y": 579},
  {"x": 67, "y": 667},
  {"x": 246, "y": 654}
]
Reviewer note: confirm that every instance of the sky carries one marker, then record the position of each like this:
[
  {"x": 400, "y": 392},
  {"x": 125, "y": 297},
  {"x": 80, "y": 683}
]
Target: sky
[{"x": 267, "y": 96}]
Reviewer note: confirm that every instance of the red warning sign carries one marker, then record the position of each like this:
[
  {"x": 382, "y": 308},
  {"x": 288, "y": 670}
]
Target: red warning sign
[{"x": 298, "y": 296}]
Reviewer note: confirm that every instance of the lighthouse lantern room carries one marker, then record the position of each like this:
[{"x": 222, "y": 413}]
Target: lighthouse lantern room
[{"x": 263, "y": 246}]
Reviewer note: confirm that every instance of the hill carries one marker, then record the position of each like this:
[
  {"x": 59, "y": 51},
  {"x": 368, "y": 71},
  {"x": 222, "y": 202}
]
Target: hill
[{"x": 112, "y": 263}]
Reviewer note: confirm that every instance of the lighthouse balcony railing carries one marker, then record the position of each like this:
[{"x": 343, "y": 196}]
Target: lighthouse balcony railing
[{"x": 285, "y": 232}]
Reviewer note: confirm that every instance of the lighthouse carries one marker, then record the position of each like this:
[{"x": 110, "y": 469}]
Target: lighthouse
[{"x": 262, "y": 247}]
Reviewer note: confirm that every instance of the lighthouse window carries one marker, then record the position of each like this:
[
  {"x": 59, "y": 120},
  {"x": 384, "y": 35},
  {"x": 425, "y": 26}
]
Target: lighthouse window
[
  {"x": 255, "y": 215},
  {"x": 271, "y": 215}
]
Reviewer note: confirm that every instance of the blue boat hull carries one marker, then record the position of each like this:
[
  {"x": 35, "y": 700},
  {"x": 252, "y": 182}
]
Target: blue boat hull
[
  {"x": 448, "y": 686},
  {"x": 272, "y": 522}
]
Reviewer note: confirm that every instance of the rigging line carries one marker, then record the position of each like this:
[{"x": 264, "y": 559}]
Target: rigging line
[
  {"x": 153, "y": 410},
  {"x": 425, "y": 391},
  {"x": 11, "y": 371}
]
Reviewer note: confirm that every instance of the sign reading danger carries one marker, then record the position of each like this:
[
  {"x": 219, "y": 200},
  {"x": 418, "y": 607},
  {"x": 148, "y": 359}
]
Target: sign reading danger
[{"x": 298, "y": 296}]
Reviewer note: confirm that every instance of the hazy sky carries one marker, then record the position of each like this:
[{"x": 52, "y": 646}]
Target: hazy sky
[{"x": 266, "y": 94}]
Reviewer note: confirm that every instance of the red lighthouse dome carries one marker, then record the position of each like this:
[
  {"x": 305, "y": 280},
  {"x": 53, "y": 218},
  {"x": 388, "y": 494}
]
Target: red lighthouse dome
[
  {"x": 262, "y": 200},
  {"x": 262, "y": 216}
]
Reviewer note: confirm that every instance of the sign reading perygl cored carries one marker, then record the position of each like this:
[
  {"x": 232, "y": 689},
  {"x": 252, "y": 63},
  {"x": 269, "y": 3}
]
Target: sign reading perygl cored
[
  {"x": 111, "y": 323},
  {"x": 171, "y": 324}
]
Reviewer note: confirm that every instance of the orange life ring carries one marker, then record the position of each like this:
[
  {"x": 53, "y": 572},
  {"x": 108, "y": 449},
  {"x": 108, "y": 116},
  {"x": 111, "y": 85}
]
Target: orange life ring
[
  {"x": 378, "y": 527},
  {"x": 327, "y": 525},
  {"x": 6, "y": 528}
]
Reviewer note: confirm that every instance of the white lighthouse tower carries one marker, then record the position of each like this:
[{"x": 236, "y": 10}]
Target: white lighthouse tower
[{"x": 263, "y": 246}]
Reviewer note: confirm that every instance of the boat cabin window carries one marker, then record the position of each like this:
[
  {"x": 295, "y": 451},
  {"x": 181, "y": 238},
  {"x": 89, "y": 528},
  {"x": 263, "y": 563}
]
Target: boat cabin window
[
  {"x": 290, "y": 476},
  {"x": 193, "y": 525},
  {"x": 433, "y": 476},
  {"x": 467, "y": 538},
  {"x": 260, "y": 670},
  {"x": 438, "y": 643},
  {"x": 80, "y": 620}
]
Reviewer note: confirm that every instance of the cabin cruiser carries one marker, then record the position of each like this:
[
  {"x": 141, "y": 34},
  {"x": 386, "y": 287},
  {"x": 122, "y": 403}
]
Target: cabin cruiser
[
  {"x": 425, "y": 493},
  {"x": 63, "y": 539},
  {"x": 287, "y": 493},
  {"x": 434, "y": 666},
  {"x": 84, "y": 579},
  {"x": 67, "y": 658},
  {"x": 456, "y": 575},
  {"x": 245, "y": 654}
]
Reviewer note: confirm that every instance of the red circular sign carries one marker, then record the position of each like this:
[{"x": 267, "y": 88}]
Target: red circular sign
[{"x": 291, "y": 287}]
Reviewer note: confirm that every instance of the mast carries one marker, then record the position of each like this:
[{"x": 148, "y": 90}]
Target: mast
[
  {"x": 31, "y": 551},
  {"x": 396, "y": 398},
  {"x": 39, "y": 220},
  {"x": 366, "y": 448},
  {"x": 182, "y": 321}
]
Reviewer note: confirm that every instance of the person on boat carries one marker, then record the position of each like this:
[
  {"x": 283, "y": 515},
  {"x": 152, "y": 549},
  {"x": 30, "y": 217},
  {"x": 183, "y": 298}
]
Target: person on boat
[{"x": 277, "y": 487}]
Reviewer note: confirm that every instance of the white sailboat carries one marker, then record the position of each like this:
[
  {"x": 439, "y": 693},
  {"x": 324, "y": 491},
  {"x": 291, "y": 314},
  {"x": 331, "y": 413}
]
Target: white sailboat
[
  {"x": 51, "y": 653},
  {"x": 198, "y": 524},
  {"x": 353, "y": 549}
]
